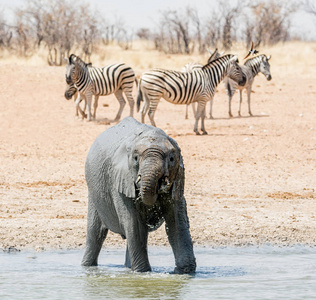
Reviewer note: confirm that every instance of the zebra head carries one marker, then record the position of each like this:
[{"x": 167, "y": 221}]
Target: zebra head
[
  {"x": 75, "y": 67},
  {"x": 234, "y": 71},
  {"x": 70, "y": 91},
  {"x": 264, "y": 67},
  {"x": 70, "y": 69}
]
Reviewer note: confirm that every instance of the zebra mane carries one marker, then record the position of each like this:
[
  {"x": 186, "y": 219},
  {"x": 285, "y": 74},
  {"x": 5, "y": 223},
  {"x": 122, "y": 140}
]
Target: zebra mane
[
  {"x": 254, "y": 60},
  {"x": 74, "y": 59},
  {"x": 254, "y": 63},
  {"x": 219, "y": 59}
]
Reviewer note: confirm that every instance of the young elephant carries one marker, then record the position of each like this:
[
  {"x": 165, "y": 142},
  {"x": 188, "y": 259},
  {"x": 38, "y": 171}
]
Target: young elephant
[{"x": 135, "y": 178}]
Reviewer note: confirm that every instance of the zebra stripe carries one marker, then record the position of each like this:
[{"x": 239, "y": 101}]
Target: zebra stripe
[
  {"x": 251, "y": 68},
  {"x": 113, "y": 79},
  {"x": 189, "y": 67},
  {"x": 72, "y": 92},
  {"x": 186, "y": 87}
]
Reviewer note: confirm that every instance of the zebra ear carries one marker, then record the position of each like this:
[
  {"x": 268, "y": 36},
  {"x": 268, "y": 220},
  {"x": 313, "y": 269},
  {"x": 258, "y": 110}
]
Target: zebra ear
[
  {"x": 234, "y": 59},
  {"x": 72, "y": 58},
  {"x": 268, "y": 57}
]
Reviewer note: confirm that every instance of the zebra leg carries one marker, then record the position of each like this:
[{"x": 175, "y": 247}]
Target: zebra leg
[
  {"x": 211, "y": 108},
  {"x": 131, "y": 102},
  {"x": 202, "y": 121},
  {"x": 249, "y": 95},
  {"x": 196, "y": 124},
  {"x": 186, "y": 111},
  {"x": 230, "y": 106},
  {"x": 89, "y": 100},
  {"x": 119, "y": 96},
  {"x": 199, "y": 114},
  {"x": 193, "y": 108},
  {"x": 240, "y": 100},
  {"x": 95, "y": 106},
  {"x": 151, "y": 113},
  {"x": 78, "y": 108},
  {"x": 84, "y": 107},
  {"x": 77, "y": 98}
]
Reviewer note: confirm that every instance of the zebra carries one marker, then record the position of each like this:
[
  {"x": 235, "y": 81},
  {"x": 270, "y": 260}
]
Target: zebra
[
  {"x": 72, "y": 92},
  {"x": 186, "y": 87},
  {"x": 251, "y": 68},
  {"x": 89, "y": 80},
  {"x": 189, "y": 67}
]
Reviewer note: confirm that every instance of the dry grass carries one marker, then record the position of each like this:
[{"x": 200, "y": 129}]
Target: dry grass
[{"x": 244, "y": 181}]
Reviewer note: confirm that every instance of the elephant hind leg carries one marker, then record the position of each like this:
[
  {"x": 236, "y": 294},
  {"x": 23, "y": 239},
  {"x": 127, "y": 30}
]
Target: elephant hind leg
[{"x": 96, "y": 234}]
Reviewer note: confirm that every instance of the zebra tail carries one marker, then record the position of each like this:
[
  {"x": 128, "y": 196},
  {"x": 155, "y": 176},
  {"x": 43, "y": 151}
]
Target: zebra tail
[
  {"x": 229, "y": 90},
  {"x": 139, "y": 96}
]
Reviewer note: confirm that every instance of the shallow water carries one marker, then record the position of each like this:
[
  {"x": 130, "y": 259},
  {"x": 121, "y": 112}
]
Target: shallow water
[{"x": 222, "y": 273}]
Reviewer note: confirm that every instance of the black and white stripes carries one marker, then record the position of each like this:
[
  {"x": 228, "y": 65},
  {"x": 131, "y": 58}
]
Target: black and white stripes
[
  {"x": 251, "y": 68},
  {"x": 113, "y": 79},
  {"x": 186, "y": 87}
]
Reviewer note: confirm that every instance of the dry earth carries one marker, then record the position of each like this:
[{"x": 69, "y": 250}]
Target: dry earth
[{"x": 251, "y": 180}]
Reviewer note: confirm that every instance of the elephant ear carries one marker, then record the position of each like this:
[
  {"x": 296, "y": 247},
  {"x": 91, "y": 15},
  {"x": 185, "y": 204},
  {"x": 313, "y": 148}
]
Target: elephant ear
[
  {"x": 178, "y": 182},
  {"x": 123, "y": 177}
]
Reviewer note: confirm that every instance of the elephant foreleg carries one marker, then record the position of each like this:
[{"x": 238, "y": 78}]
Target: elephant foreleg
[
  {"x": 177, "y": 228},
  {"x": 136, "y": 252},
  {"x": 96, "y": 234}
]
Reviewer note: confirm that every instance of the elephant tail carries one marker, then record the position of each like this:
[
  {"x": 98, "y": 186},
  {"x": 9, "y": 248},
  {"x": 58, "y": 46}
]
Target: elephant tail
[{"x": 139, "y": 95}]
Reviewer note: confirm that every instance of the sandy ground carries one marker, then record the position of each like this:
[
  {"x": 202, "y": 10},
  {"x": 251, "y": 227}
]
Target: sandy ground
[{"x": 251, "y": 180}]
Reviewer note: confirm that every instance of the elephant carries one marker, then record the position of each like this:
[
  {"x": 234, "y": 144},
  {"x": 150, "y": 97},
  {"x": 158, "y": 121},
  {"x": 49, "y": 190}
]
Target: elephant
[{"x": 135, "y": 178}]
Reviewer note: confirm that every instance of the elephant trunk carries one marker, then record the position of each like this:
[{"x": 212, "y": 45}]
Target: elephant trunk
[{"x": 152, "y": 170}]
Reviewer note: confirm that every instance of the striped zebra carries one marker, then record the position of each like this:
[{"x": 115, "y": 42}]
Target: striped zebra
[
  {"x": 72, "y": 92},
  {"x": 189, "y": 67},
  {"x": 112, "y": 79},
  {"x": 251, "y": 68},
  {"x": 186, "y": 87}
]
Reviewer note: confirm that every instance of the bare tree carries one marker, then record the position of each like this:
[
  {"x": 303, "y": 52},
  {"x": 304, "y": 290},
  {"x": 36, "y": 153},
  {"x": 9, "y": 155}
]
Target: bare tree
[
  {"x": 61, "y": 26},
  {"x": 310, "y": 7},
  {"x": 174, "y": 34},
  {"x": 193, "y": 14},
  {"x": 213, "y": 30},
  {"x": 5, "y": 33},
  {"x": 229, "y": 15},
  {"x": 271, "y": 22}
]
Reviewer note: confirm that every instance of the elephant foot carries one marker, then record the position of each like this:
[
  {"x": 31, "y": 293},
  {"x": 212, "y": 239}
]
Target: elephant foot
[{"x": 185, "y": 270}]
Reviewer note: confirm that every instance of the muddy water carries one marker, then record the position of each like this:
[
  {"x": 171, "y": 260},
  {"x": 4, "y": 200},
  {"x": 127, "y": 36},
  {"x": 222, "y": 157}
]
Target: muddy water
[{"x": 229, "y": 273}]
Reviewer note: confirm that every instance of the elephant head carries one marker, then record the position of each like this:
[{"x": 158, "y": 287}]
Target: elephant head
[{"x": 149, "y": 164}]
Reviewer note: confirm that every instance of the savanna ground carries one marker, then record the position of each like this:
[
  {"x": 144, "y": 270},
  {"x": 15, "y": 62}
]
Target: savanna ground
[{"x": 251, "y": 180}]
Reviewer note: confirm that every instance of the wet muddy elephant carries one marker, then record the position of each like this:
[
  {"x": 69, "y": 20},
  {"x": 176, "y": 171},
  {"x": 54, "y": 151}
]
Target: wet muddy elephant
[{"x": 135, "y": 179}]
